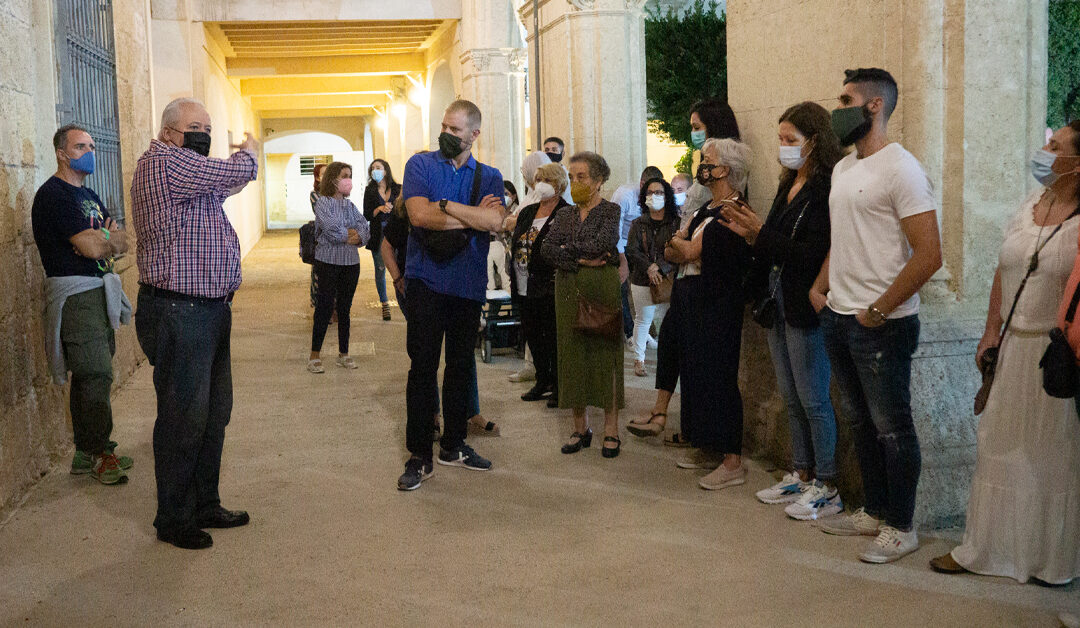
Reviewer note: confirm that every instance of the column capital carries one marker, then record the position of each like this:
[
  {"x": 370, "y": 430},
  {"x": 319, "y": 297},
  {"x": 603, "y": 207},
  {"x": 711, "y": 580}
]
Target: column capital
[
  {"x": 593, "y": 5},
  {"x": 494, "y": 60}
]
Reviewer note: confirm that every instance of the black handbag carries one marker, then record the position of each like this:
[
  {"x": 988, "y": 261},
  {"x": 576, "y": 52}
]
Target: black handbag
[
  {"x": 1061, "y": 378},
  {"x": 766, "y": 309},
  {"x": 443, "y": 246}
]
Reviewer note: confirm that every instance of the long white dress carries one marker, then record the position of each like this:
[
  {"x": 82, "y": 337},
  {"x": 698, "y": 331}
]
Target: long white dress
[{"x": 1023, "y": 517}]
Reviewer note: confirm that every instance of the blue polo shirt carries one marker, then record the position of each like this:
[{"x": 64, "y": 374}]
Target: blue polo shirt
[{"x": 434, "y": 177}]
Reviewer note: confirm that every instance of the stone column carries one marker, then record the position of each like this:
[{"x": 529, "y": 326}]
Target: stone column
[
  {"x": 493, "y": 77},
  {"x": 591, "y": 78}
]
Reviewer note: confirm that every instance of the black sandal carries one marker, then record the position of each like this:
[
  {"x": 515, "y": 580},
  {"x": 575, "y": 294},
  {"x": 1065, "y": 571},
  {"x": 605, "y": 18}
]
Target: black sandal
[
  {"x": 584, "y": 440},
  {"x": 611, "y": 452},
  {"x": 677, "y": 440},
  {"x": 649, "y": 428}
]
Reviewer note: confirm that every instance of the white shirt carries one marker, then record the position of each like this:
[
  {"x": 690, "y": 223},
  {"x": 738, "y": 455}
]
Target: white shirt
[
  {"x": 626, "y": 197},
  {"x": 869, "y": 198},
  {"x": 525, "y": 252}
]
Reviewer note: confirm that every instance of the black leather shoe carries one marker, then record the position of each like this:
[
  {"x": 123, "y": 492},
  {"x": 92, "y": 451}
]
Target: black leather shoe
[
  {"x": 584, "y": 440},
  {"x": 186, "y": 538},
  {"x": 536, "y": 393},
  {"x": 611, "y": 452},
  {"x": 221, "y": 518}
]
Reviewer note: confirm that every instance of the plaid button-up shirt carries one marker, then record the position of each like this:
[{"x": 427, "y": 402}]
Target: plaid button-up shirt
[
  {"x": 185, "y": 242},
  {"x": 333, "y": 219}
]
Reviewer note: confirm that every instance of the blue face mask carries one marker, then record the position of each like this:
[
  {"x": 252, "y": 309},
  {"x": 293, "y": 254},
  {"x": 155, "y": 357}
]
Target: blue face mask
[
  {"x": 1042, "y": 167},
  {"x": 377, "y": 175},
  {"x": 697, "y": 138},
  {"x": 84, "y": 164}
]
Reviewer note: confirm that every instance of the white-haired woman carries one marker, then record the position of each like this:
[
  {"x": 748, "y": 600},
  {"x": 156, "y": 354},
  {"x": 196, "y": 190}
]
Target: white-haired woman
[{"x": 707, "y": 306}]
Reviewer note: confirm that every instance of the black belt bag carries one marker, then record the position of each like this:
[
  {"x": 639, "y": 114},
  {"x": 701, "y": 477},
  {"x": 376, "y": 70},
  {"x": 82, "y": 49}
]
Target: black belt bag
[{"x": 443, "y": 246}]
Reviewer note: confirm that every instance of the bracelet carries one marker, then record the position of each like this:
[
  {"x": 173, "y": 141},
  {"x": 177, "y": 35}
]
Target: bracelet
[
  {"x": 876, "y": 313},
  {"x": 106, "y": 232}
]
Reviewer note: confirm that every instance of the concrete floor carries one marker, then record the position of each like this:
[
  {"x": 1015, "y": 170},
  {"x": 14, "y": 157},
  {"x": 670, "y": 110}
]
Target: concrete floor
[{"x": 544, "y": 539}]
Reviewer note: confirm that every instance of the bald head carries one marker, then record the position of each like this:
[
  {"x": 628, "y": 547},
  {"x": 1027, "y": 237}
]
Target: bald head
[{"x": 180, "y": 116}]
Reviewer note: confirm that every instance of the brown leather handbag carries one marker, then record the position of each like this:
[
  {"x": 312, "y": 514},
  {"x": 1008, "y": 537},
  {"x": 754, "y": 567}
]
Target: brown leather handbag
[
  {"x": 597, "y": 319},
  {"x": 659, "y": 292}
]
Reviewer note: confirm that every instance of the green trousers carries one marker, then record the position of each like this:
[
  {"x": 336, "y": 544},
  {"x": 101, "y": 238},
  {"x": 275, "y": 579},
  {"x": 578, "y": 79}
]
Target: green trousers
[{"x": 89, "y": 344}]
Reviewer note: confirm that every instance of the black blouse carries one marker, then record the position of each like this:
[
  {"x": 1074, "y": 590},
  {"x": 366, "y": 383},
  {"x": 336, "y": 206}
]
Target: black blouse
[
  {"x": 571, "y": 239},
  {"x": 372, "y": 201}
]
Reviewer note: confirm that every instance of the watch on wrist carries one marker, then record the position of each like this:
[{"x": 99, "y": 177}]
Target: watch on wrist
[
  {"x": 442, "y": 205},
  {"x": 876, "y": 314}
]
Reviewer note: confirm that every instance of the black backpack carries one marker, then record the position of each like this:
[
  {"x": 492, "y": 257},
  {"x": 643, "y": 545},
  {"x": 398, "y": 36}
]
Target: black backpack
[{"x": 307, "y": 243}]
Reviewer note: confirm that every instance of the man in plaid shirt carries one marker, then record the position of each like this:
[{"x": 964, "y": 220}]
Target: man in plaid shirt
[{"x": 189, "y": 266}]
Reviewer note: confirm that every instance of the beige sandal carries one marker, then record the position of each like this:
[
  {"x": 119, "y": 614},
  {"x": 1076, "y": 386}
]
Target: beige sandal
[{"x": 648, "y": 428}]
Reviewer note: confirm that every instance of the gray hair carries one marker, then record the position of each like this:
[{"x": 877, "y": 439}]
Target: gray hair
[
  {"x": 171, "y": 115},
  {"x": 733, "y": 154}
]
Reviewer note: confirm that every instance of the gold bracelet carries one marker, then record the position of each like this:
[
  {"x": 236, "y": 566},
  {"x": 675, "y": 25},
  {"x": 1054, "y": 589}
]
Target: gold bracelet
[{"x": 878, "y": 314}]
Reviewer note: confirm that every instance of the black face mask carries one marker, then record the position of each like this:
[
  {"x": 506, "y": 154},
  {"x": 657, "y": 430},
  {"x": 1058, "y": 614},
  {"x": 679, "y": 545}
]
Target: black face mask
[
  {"x": 705, "y": 174},
  {"x": 197, "y": 141},
  {"x": 450, "y": 145},
  {"x": 851, "y": 124},
  {"x": 555, "y": 157}
]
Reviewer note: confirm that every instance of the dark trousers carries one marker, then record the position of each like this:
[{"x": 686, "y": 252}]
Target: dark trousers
[
  {"x": 187, "y": 343},
  {"x": 538, "y": 323},
  {"x": 89, "y": 344},
  {"x": 872, "y": 368},
  {"x": 627, "y": 311},
  {"x": 667, "y": 355},
  {"x": 337, "y": 285},
  {"x": 431, "y": 317}
]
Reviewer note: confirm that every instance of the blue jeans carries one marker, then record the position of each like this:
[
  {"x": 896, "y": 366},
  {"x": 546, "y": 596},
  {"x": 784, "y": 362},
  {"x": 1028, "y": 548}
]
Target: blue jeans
[
  {"x": 802, "y": 374},
  {"x": 380, "y": 275},
  {"x": 873, "y": 371},
  {"x": 187, "y": 343}
]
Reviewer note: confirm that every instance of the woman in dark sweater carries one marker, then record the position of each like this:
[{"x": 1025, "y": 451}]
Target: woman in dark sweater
[
  {"x": 789, "y": 249},
  {"x": 379, "y": 197},
  {"x": 533, "y": 280}
]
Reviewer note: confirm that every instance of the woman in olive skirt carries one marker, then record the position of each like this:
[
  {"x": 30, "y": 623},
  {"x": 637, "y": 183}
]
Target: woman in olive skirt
[{"x": 581, "y": 244}]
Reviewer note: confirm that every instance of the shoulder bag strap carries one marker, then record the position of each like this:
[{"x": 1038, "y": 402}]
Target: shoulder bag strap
[
  {"x": 474, "y": 197},
  {"x": 795, "y": 228},
  {"x": 1032, "y": 265},
  {"x": 1071, "y": 312}
]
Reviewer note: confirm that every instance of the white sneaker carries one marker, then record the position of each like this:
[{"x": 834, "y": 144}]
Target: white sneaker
[
  {"x": 857, "y": 523},
  {"x": 651, "y": 343},
  {"x": 817, "y": 502},
  {"x": 891, "y": 544},
  {"x": 526, "y": 374},
  {"x": 699, "y": 459},
  {"x": 785, "y": 491}
]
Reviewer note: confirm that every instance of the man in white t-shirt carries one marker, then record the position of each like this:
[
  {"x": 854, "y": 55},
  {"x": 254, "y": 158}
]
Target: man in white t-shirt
[{"x": 885, "y": 246}]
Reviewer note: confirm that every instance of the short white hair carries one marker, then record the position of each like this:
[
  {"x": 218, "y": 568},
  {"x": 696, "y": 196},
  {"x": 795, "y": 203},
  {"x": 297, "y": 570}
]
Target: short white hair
[
  {"x": 733, "y": 154},
  {"x": 171, "y": 115}
]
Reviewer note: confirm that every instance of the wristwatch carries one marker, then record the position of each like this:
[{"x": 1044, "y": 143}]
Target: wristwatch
[
  {"x": 875, "y": 314},
  {"x": 442, "y": 205}
]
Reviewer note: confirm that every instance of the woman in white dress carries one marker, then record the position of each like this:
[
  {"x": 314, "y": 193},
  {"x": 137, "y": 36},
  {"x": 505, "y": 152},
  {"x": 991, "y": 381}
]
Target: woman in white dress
[{"x": 1023, "y": 517}]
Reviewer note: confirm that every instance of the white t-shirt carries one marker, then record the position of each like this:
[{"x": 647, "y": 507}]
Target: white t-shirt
[
  {"x": 525, "y": 252},
  {"x": 869, "y": 198},
  {"x": 626, "y": 197}
]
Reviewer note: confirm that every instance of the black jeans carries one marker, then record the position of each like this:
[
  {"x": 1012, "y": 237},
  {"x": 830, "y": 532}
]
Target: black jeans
[
  {"x": 89, "y": 344},
  {"x": 431, "y": 316},
  {"x": 187, "y": 343},
  {"x": 872, "y": 368},
  {"x": 337, "y": 285},
  {"x": 538, "y": 323}
]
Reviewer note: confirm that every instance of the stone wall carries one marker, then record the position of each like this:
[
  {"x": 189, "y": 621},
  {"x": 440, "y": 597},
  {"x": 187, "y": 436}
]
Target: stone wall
[
  {"x": 35, "y": 431},
  {"x": 972, "y": 97}
]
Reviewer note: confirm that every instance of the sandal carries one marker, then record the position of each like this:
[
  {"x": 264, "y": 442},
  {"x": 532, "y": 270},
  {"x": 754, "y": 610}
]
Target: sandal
[
  {"x": 648, "y": 428},
  {"x": 639, "y": 369},
  {"x": 489, "y": 428},
  {"x": 315, "y": 366},
  {"x": 676, "y": 440}
]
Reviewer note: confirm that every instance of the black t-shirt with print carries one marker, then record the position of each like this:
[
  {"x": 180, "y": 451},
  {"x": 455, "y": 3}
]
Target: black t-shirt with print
[{"x": 60, "y": 211}]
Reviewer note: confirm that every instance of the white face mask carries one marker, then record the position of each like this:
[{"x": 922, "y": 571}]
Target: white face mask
[
  {"x": 791, "y": 157},
  {"x": 656, "y": 202},
  {"x": 545, "y": 190},
  {"x": 507, "y": 200},
  {"x": 680, "y": 198}
]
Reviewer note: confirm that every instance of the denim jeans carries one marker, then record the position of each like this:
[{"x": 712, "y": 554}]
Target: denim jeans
[
  {"x": 187, "y": 343},
  {"x": 380, "y": 275},
  {"x": 644, "y": 313},
  {"x": 802, "y": 375},
  {"x": 89, "y": 344},
  {"x": 431, "y": 317},
  {"x": 873, "y": 371}
]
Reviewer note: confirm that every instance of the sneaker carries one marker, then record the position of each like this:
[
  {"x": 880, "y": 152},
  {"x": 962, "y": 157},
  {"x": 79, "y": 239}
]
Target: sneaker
[
  {"x": 106, "y": 469},
  {"x": 787, "y": 490},
  {"x": 723, "y": 477},
  {"x": 699, "y": 459},
  {"x": 416, "y": 471},
  {"x": 526, "y": 374},
  {"x": 315, "y": 366},
  {"x": 817, "y": 502},
  {"x": 857, "y": 523},
  {"x": 463, "y": 456},
  {"x": 891, "y": 544},
  {"x": 83, "y": 462},
  {"x": 346, "y": 361}
]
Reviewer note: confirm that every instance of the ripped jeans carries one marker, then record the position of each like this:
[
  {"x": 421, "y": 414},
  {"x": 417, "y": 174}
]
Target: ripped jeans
[{"x": 872, "y": 368}]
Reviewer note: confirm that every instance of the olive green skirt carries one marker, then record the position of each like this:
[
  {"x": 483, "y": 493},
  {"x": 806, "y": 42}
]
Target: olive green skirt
[{"x": 590, "y": 368}]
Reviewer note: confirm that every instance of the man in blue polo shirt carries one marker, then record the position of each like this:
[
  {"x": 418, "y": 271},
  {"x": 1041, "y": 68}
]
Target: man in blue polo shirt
[{"x": 453, "y": 202}]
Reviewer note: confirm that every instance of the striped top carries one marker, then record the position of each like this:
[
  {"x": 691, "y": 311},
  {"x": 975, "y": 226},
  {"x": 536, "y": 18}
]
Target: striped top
[{"x": 333, "y": 219}]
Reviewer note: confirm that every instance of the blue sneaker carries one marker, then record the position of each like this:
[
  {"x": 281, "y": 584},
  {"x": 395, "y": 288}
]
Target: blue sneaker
[
  {"x": 463, "y": 456},
  {"x": 818, "y": 501},
  {"x": 416, "y": 471},
  {"x": 787, "y": 490}
]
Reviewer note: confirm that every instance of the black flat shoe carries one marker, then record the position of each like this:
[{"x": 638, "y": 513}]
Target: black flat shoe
[
  {"x": 221, "y": 518},
  {"x": 553, "y": 400},
  {"x": 611, "y": 452},
  {"x": 186, "y": 538},
  {"x": 536, "y": 393},
  {"x": 584, "y": 440}
]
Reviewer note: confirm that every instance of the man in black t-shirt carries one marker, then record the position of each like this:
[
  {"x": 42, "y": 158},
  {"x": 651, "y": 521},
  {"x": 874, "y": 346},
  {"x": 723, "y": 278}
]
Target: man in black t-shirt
[{"x": 78, "y": 242}]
